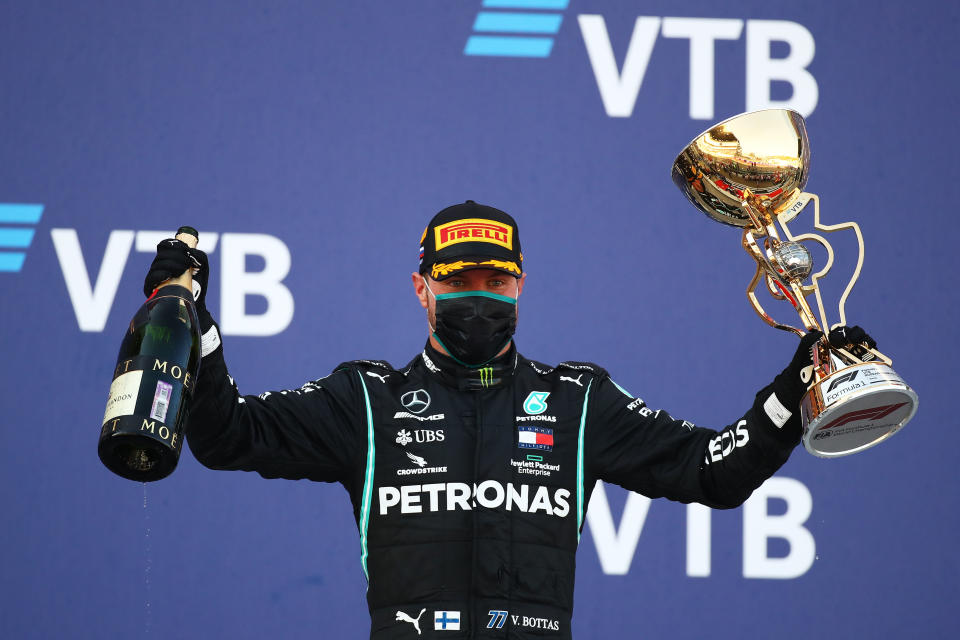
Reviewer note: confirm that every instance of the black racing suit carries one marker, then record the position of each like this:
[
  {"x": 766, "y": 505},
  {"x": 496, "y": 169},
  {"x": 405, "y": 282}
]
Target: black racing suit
[{"x": 470, "y": 487}]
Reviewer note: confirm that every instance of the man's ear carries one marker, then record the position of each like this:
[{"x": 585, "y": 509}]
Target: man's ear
[{"x": 420, "y": 288}]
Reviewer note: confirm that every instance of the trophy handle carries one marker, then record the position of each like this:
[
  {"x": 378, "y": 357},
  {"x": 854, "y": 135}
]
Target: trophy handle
[
  {"x": 801, "y": 204},
  {"x": 752, "y": 296},
  {"x": 780, "y": 290},
  {"x": 795, "y": 292}
]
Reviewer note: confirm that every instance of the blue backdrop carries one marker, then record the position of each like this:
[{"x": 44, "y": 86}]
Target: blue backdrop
[{"x": 311, "y": 141}]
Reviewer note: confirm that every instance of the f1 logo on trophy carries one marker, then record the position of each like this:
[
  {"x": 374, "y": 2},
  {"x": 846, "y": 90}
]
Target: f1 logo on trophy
[{"x": 749, "y": 172}]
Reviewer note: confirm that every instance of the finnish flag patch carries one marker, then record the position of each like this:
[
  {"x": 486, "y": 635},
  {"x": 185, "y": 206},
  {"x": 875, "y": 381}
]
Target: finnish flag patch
[{"x": 446, "y": 620}]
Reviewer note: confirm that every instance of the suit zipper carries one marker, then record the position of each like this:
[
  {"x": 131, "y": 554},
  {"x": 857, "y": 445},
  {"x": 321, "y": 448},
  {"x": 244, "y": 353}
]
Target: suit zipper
[{"x": 478, "y": 404}]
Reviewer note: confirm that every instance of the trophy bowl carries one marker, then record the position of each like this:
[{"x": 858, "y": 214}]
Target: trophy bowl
[{"x": 762, "y": 156}]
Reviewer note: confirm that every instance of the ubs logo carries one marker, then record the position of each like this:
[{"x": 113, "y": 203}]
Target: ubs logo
[
  {"x": 421, "y": 436},
  {"x": 415, "y": 401}
]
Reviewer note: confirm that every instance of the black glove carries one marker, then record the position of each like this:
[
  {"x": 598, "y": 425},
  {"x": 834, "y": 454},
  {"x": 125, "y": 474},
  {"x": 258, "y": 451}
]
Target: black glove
[
  {"x": 792, "y": 383},
  {"x": 780, "y": 401},
  {"x": 173, "y": 258},
  {"x": 850, "y": 338}
]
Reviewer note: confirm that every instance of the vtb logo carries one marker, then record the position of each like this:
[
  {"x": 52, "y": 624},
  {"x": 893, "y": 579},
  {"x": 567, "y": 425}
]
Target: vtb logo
[
  {"x": 520, "y": 29},
  {"x": 16, "y": 233},
  {"x": 528, "y": 28}
]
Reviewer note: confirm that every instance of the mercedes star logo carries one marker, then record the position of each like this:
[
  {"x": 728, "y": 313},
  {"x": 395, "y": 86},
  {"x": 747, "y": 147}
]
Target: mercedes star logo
[{"x": 415, "y": 401}]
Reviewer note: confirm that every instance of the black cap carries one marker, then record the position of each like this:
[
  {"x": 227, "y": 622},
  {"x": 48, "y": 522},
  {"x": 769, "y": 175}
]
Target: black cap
[{"x": 470, "y": 236}]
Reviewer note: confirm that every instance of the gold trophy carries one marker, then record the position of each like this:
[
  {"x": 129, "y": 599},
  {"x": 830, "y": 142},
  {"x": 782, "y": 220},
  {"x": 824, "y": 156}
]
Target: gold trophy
[{"x": 749, "y": 172}]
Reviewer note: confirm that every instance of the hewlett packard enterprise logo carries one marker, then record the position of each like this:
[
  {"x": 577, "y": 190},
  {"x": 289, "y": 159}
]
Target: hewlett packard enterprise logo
[
  {"x": 16, "y": 233},
  {"x": 517, "y": 28}
]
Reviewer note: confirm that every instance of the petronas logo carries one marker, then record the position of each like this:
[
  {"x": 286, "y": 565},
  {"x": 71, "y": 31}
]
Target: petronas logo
[{"x": 536, "y": 402}]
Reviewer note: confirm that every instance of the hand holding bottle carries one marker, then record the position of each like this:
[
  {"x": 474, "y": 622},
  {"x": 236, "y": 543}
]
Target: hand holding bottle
[{"x": 157, "y": 366}]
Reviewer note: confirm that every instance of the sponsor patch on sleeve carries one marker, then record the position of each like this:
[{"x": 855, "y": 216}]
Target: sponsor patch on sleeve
[
  {"x": 209, "y": 341},
  {"x": 777, "y": 413}
]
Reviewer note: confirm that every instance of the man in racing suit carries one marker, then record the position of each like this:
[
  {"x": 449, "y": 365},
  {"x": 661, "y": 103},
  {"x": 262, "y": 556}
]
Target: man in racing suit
[{"x": 470, "y": 469}]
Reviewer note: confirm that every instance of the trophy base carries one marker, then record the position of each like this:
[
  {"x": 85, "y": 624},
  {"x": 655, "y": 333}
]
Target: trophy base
[{"x": 855, "y": 408}]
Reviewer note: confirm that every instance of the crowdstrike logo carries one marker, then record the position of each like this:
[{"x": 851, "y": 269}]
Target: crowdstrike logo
[
  {"x": 420, "y": 468},
  {"x": 528, "y": 28},
  {"x": 417, "y": 460},
  {"x": 16, "y": 238}
]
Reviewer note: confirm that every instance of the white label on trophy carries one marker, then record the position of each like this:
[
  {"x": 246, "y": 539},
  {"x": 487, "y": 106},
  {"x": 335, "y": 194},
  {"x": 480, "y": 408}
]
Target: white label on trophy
[
  {"x": 857, "y": 377},
  {"x": 794, "y": 209},
  {"x": 123, "y": 395},
  {"x": 777, "y": 413}
]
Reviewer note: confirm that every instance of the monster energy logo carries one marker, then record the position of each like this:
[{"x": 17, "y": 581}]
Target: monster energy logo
[{"x": 486, "y": 376}]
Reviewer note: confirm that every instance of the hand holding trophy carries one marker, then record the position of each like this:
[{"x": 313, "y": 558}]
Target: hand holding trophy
[{"x": 749, "y": 172}]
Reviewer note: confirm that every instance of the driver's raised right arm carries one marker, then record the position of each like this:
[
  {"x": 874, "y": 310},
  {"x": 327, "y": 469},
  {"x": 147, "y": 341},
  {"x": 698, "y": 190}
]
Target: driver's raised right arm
[{"x": 311, "y": 432}]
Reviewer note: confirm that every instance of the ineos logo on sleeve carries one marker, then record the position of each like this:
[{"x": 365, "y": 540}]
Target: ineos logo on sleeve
[{"x": 415, "y": 401}]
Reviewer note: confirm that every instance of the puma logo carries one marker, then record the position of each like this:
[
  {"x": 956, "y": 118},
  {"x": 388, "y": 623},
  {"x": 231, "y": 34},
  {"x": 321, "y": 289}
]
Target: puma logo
[
  {"x": 576, "y": 382},
  {"x": 383, "y": 379},
  {"x": 402, "y": 617}
]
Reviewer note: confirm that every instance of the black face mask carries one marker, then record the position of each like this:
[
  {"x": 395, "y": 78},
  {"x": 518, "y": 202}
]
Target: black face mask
[{"x": 474, "y": 326}]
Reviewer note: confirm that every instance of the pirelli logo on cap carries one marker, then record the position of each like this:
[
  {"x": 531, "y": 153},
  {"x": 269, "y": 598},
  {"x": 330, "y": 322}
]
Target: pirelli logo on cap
[{"x": 473, "y": 230}]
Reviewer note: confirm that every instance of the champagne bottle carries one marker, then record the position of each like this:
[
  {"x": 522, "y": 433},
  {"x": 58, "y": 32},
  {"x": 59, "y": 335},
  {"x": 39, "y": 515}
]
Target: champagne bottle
[{"x": 142, "y": 430}]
